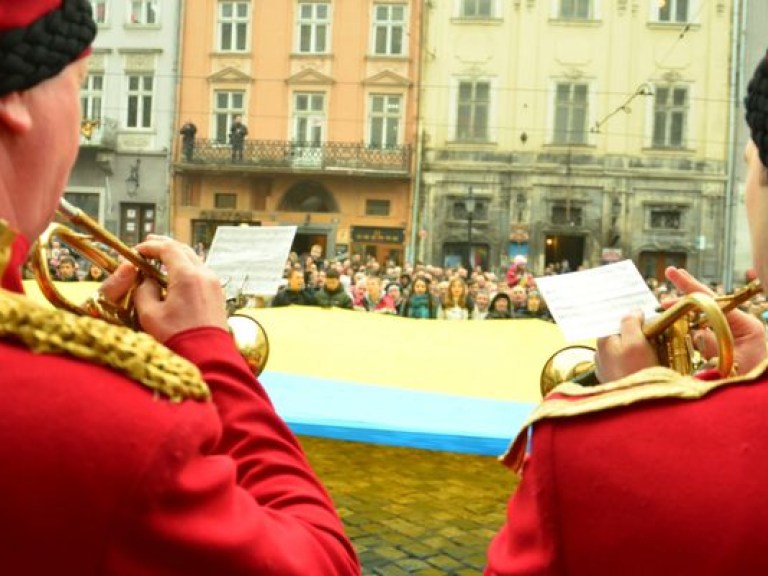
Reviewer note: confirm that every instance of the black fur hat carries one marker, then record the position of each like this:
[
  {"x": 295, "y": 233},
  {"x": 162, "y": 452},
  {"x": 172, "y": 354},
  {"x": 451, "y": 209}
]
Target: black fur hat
[{"x": 756, "y": 105}]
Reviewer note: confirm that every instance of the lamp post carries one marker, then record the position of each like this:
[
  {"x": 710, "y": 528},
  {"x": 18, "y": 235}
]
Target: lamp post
[{"x": 469, "y": 204}]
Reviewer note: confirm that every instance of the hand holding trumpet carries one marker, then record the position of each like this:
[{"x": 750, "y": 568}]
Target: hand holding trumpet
[
  {"x": 193, "y": 297},
  {"x": 629, "y": 351}
]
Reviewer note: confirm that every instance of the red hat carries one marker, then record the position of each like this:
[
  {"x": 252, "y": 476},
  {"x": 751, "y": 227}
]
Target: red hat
[{"x": 39, "y": 38}]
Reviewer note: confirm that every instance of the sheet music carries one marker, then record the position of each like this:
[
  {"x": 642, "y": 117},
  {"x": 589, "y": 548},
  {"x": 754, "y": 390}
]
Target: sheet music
[
  {"x": 250, "y": 259},
  {"x": 591, "y": 303}
]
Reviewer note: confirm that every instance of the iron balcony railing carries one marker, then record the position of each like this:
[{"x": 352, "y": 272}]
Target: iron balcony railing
[{"x": 296, "y": 155}]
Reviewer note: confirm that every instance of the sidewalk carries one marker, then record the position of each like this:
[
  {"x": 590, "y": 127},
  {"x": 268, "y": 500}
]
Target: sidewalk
[{"x": 411, "y": 511}]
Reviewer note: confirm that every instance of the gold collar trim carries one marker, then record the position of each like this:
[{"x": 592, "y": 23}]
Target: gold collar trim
[
  {"x": 134, "y": 354},
  {"x": 655, "y": 383}
]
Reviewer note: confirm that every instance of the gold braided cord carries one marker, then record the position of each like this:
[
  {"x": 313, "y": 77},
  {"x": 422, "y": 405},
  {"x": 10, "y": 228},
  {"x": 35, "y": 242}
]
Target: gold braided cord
[{"x": 134, "y": 354}]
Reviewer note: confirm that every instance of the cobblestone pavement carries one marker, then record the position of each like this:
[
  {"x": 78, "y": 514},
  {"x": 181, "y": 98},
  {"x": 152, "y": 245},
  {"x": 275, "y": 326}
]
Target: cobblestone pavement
[{"x": 413, "y": 511}]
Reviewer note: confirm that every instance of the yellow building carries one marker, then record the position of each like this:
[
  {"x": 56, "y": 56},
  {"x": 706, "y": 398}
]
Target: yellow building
[
  {"x": 586, "y": 130},
  {"x": 326, "y": 90}
]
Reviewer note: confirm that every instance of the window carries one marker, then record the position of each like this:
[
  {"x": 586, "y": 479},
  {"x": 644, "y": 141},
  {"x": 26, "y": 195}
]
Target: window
[
  {"x": 308, "y": 118},
  {"x": 99, "y": 8},
  {"x": 227, "y": 105},
  {"x": 672, "y": 10},
  {"x": 377, "y": 207},
  {"x": 460, "y": 211},
  {"x": 575, "y": 9},
  {"x": 143, "y": 12},
  {"x": 233, "y": 26},
  {"x": 669, "y": 118},
  {"x": 388, "y": 29},
  {"x": 91, "y": 96},
  {"x": 474, "y": 101},
  {"x": 665, "y": 218},
  {"x": 563, "y": 214},
  {"x": 314, "y": 24},
  {"x": 476, "y": 8},
  {"x": 386, "y": 112},
  {"x": 571, "y": 107},
  {"x": 140, "y": 87},
  {"x": 225, "y": 200}
]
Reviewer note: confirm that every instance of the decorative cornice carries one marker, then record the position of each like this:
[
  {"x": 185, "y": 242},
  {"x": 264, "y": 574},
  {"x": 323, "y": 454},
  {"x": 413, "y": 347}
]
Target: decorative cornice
[
  {"x": 229, "y": 74},
  {"x": 310, "y": 76},
  {"x": 387, "y": 78}
]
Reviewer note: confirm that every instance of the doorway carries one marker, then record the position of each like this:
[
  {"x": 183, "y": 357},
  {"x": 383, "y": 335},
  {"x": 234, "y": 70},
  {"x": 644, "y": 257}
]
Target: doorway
[
  {"x": 653, "y": 264},
  {"x": 303, "y": 242},
  {"x": 562, "y": 248},
  {"x": 136, "y": 221}
]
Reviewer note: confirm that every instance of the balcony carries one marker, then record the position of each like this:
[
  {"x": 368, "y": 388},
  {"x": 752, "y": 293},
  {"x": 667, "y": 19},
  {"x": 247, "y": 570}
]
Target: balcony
[
  {"x": 285, "y": 155},
  {"x": 100, "y": 134}
]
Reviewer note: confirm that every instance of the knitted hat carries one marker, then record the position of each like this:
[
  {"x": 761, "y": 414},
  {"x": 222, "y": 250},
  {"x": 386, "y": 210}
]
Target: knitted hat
[
  {"x": 39, "y": 38},
  {"x": 756, "y": 105}
]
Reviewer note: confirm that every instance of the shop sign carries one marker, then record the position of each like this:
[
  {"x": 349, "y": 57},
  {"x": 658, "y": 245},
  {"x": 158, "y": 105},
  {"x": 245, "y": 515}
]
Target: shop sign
[
  {"x": 225, "y": 215},
  {"x": 610, "y": 255},
  {"x": 371, "y": 235}
]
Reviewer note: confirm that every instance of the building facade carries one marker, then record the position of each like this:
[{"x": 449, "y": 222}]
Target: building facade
[
  {"x": 574, "y": 132},
  {"x": 326, "y": 90},
  {"x": 121, "y": 176}
]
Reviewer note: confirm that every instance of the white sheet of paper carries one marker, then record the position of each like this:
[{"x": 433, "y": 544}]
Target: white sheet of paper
[
  {"x": 250, "y": 259},
  {"x": 591, "y": 303}
]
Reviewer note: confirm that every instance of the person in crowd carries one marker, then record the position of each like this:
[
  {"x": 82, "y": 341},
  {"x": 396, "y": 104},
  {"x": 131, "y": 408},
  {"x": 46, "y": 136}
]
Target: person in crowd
[
  {"x": 95, "y": 273},
  {"x": 66, "y": 270},
  {"x": 456, "y": 304},
  {"x": 519, "y": 297},
  {"x": 535, "y": 307},
  {"x": 123, "y": 452},
  {"x": 188, "y": 132},
  {"x": 294, "y": 292},
  {"x": 518, "y": 274},
  {"x": 500, "y": 308},
  {"x": 653, "y": 472},
  {"x": 374, "y": 300},
  {"x": 201, "y": 251},
  {"x": 482, "y": 305},
  {"x": 332, "y": 294},
  {"x": 237, "y": 133},
  {"x": 395, "y": 293},
  {"x": 420, "y": 302}
]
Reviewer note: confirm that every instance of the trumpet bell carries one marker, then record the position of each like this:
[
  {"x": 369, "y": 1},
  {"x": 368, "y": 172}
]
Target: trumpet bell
[
  {"x": 251, "y": 340},
  {"x": 565, "y": 365}
]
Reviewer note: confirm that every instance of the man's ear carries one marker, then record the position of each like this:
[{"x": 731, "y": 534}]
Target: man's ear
[{"x": 14, "y": 114}]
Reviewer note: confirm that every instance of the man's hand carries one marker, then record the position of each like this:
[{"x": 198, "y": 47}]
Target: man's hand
[
  {"x": 625, "y": 353},
  {"x": 194, "y": 297},
  {"x": 748, "y": 331}
]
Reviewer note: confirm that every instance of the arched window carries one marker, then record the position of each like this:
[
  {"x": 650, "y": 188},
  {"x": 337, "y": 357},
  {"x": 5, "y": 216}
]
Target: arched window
[{"x": 308, "y": 197}]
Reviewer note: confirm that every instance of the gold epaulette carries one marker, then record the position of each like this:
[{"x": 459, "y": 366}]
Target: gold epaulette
[
  {"x": 570, "y": 399},
  {"x": 134, "y": 354}
]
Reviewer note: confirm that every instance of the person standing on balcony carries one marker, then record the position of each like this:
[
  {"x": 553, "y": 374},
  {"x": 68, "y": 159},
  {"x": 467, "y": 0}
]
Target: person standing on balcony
[
  {"x": 237, "y": 133},
  {"x": 188, "y": 132}
]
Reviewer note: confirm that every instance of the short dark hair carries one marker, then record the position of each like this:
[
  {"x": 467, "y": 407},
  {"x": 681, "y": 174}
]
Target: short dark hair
[{"x": 332, "y": 273}]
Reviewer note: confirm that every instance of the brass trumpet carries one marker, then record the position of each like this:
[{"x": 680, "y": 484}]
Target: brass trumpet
[
  {"x": 670, "y": 332},
  {"x": 250, "y": 337}
]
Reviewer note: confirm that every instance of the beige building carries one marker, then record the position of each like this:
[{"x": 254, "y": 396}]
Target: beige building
[
  {"x": 586, "y": 131},
  {"x": 327, "y": 92}
]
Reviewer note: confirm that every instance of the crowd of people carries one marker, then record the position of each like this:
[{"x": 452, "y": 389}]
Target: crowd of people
[{"x": 414, "y": 291}]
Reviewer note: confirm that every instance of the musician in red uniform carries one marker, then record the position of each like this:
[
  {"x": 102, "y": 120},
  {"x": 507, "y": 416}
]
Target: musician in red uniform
[
  {"x": 652, "y": 472},
  {"x": 127, "y": 453}
]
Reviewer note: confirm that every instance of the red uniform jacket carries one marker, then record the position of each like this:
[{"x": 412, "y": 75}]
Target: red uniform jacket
[
  {"x": 100, "y": 476},
  {"x": 674, "y": 486}
]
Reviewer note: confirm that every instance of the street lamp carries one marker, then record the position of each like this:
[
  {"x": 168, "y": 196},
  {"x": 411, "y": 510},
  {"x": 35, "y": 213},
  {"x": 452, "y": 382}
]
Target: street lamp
[{"x": 469, "y": 204}]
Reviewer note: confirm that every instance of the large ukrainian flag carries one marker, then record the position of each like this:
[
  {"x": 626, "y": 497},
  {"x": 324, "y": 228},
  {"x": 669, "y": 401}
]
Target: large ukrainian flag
[{"x": 435, "y": 384}]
